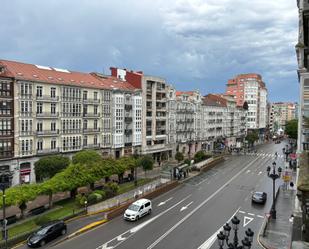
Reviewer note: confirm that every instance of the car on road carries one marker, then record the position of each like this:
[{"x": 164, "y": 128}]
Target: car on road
[
  {"x": 138, "y": 209},
  {"x": 259, "y": 197},
  {"x": 47, "y": 233}
]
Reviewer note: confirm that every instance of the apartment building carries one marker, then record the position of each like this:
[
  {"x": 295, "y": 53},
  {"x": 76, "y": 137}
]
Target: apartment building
[
  {"x": 250, "y": 88},
  {"x": 188, "y": 122},
  {"x": 61, "y": 111},
  {"x": 282, "y": 112},
  {"x": 171, "y": 117},
  {"x": 154, "y": 112}
]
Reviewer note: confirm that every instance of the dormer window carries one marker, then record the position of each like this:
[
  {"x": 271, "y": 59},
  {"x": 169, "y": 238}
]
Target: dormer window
[{"x": 2, "y": 69}]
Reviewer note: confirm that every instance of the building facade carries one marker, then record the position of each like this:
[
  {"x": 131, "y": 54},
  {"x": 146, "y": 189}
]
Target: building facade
[
  {"x": 250, "y": 88},
  {"x": 60, "y": 111},
  {"x": 282, "y": 112}
]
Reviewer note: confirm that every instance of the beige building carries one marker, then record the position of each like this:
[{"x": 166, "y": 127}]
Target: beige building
[{"x": 61, "y": 111}]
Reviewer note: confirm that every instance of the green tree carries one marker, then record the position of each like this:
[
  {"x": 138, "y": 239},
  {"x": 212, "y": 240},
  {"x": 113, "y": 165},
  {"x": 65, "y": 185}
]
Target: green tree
[
  {"x": 86, "y": 157},
  {"x": 179, "y": 156},
  {"x": 146, "y": 162},
  {"x": 199, "y": 156},
  {"x": 252, "y": 137},
  {"x": 47, "y": 167},
  {"x": 20, "y": 195},
  {"x": 291, "y": 128}
]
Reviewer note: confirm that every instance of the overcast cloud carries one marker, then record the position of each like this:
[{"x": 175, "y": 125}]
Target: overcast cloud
[{"x": 193, "y": 44}]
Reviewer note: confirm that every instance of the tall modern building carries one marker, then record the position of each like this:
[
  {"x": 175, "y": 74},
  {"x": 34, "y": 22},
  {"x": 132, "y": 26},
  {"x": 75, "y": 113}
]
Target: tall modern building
[
  {"x": 250, "y": 88},
  {"x": 45, "y": 110},
  {"x": 281, "y": 113}
]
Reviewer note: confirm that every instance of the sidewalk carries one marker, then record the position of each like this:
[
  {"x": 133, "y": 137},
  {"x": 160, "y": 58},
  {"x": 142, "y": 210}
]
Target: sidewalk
[{"x": 278, "y": 232}]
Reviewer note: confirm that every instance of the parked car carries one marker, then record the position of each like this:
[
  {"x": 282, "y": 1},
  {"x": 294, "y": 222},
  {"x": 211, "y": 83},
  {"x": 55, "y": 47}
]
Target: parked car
[
  {"x": 259, "y": 197},
  {"x": 138, "y": 209},
  {"x": 47, "y": 233}
]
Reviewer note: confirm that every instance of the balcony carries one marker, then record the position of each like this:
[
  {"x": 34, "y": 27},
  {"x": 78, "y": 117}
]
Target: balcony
[
  {"x": 128, "y": 131},
  {"x": 71, "y": 148},
  {"x": 26, "y": 153},
  {"x": 26, "y": 133},
  {"x": 25, "y": 96},
  {"x": 6, "y": 154},
  {"x": 91, "y": 115},
  {"x": 160, "y": 89},
  {"x": 47, "y": 133},
  {"x": 91, "y": 101},
  {"x": 69, "y": 99},
  {"x": 25, "y": 114},
  {"x": 47, "y": 115},
  {"x": 128, "y": 107},
  {"x": 128, "y": 119},
  {"x": 47, "y": 98},
  {"x": 91, "y": 146},
  {"x": 72, "y": 131},
  {"x": 91, "y": 130},
  {"x": 47, "y": 151},
  {"x": 71, "y": 114}
]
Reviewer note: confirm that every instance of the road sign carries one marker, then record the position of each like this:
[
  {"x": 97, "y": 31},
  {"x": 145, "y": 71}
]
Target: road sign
[{"x": 247, "y": 220}]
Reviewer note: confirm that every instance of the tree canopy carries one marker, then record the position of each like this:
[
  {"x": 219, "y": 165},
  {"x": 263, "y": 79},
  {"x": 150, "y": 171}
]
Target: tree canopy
[
  {"x": 146, "y": 162},
  {"x": 252, "y": 137},
  {"x": 179, "y": 156},
  {"x": 291, "y": 128},
  {"x": 47, "y": 167}
]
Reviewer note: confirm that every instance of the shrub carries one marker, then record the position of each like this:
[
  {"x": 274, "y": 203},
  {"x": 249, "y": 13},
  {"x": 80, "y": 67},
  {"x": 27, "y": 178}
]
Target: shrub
[
  {"x": 111, "y": 189},
  {"x": 200, "y": 156},
  {"x": 94, "y": 198},
  {"x": 100, "y": 192},
  {"x": 80, "y": 199},
  {"x": 187, "y": 161},
  {"x": 42, "y": 220}
]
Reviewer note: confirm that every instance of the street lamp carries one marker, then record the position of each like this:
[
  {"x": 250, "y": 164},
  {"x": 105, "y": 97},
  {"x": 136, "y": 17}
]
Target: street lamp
[
  {"x": 286, "y": 151},
  {"x": 274, "y": 176},
  {"x": 86, "y": 206},
  {"x": 5, "y": 182},
  {"x": 223, "y": 236}
]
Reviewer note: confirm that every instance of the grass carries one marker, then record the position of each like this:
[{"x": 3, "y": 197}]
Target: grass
[
  {"x": 125, "y": 187},
  {"x": 62, "y": 209}
]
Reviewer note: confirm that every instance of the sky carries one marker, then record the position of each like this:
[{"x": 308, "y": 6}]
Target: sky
[{"x": 193, "y": 44}]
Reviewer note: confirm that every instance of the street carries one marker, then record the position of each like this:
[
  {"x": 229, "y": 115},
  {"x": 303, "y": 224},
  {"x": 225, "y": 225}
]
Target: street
[{"x": 191, "y": 215}]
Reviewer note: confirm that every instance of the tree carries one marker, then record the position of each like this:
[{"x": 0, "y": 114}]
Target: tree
[
  {"x": 20, "y": 195},
  {"x": 252, "y": 137},
  {"x": 86, "y": 157},
  {"x": 179, "y": 156},
  {"x": 47, "y": 167},
  {"x": 146, "y": 162},
  {"x": 291, "y": 128}
]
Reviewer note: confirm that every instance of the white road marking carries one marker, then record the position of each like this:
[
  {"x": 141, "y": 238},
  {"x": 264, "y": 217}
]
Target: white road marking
[
  {"x": 163, "y": 202},
  {"x": 208, "y": 243},
  {"x": 120, "y": 238},
  {"x": 242, "y": 212},
  {"x": 185, "y": 207},
  {"x": 251, "y": 214},
  {"x": 260, "y": 216},
  {"x": 138, "y": 227},
  {"x": 248, "y": 171},
  {"x": 247, "y": 220},
  {"x": 260, "y": 172},
  {"x": 199, "y": 206}
]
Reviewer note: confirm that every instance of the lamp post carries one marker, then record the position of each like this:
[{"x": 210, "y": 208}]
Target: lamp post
[
  {"x": 86, "y": 206},
  {"x": 274, "y": 176},
  {"x": 5, "y": 182},
  {"x": 223, "y": 236}
]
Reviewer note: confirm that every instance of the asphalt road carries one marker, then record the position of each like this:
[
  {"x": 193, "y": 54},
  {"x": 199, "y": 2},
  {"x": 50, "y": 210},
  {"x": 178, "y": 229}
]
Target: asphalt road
[{"x": 191, "y": 215}]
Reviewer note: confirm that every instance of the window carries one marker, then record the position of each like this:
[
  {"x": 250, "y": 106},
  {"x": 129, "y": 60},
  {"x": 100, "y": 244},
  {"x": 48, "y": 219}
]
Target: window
[
  {"x": 39, "y": 126},
  {"x": 53, "y": 108},
  {"x": 53, "y": 92},
  {"x": 5, "y": 89},
  {"x": 5, "y": 108},
  {"x": 53, "y": 126},
  {"x": 85, "y": 93},
  {"x": 40, "y": 145},
  {"x": 95, "y": 95},
  {"x": 85, "y": 124},
  {"x": 85, "y": 109},
  {"x": 39, "y": 90},
  {"x": 95, "y": 140},
  {"x": 95, "y": 124},
  {"x": 39, "y": 107},
  {"x": 53, "y": 144},
  {"x": 85, "y": 141},
  {"x": 95, "y": 109}
]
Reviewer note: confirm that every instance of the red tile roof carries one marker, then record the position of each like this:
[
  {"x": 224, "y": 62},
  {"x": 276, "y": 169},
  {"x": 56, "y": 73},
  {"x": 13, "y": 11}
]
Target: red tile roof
[
  {"x": 23, "y": 71},
  {"x": 178, "y": 93},
  {"x": 214, "y": 99}
]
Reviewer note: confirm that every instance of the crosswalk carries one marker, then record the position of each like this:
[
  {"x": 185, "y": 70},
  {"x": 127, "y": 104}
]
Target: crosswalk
[{"x": 264, "y": 155}]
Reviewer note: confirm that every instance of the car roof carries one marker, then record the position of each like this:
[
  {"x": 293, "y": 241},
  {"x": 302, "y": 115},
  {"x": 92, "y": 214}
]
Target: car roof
[
  {"x": 259, "y": 193},
  {"x": 52, "y": 223},
  {"x": 141, "y": 201}
]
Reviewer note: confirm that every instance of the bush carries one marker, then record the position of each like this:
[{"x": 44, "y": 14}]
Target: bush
[
  {"x": 200, "y": 156},
  {"x": 42, "y": 220},
  {"x": 93, "y": 198},
  {"x": 187, "y": 161},
  {"x": 80, "y": 199},
  {"x": 111, "y": 189},
  {"x": 100, "y": 192}
]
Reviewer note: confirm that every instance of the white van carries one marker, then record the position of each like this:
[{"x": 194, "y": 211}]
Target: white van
[{"x": 138, "y": 209}]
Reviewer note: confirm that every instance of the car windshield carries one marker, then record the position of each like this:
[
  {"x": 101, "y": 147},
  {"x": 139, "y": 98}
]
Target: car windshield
[
  {"x": 133, "y": 207},
  {"x": 258, "y": 194},
  {"x": 42, "y": 231}
]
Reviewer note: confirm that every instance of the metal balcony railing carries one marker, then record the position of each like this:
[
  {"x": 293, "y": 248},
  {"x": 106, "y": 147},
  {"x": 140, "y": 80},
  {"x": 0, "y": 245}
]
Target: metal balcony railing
[{"x": 47, "y": 98}]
